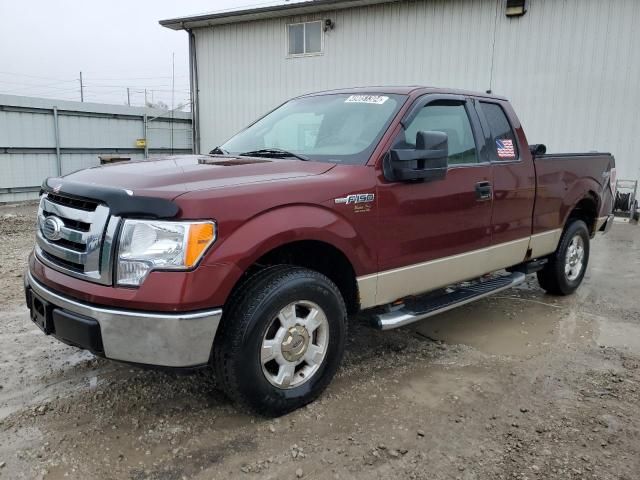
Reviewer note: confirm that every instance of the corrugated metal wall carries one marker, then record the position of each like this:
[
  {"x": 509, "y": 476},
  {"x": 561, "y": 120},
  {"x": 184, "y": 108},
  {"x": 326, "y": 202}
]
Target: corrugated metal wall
[
  {"x": 28, "y": 151},
  {"x": 570, "y": 67}
]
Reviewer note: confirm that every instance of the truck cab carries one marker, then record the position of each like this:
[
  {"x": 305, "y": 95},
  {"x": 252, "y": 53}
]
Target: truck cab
[{"x": 252, "y": 259}]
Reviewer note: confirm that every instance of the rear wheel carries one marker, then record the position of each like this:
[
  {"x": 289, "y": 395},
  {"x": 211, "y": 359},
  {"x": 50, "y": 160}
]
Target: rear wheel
[
  {"x": 282, "y": 339},
  {"x": 564, "y": 272}
]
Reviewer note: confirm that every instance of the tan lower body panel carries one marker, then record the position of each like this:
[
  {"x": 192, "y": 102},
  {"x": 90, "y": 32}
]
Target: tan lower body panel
[
  {"x": 544, "y": 243},
  {"x": 385, "y": 287}
]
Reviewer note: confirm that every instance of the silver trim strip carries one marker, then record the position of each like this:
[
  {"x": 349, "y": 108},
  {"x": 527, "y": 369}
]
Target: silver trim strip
[
  {"x": 400, "y": 318},
  {"x": 163, "y": 339},
  {"x": 67, "y": 212},
  {"x": 63, "y": 253},
  {"x": 74, "y": 236}
]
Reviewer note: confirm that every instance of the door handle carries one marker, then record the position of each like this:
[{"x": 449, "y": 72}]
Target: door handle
[{"x": 483, "y": 191}]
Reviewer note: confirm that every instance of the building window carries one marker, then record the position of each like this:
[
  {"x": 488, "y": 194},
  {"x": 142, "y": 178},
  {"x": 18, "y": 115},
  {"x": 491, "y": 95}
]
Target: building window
[{"x": 304, "y": 38}]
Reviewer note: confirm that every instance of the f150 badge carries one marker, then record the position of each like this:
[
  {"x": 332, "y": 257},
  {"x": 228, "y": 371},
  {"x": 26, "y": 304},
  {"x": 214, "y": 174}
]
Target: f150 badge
[
  {"x": 361, "y": 201},
  {"x": 357, "y": 198}
]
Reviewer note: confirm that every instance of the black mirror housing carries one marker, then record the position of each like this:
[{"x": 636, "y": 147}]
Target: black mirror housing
[{"x": 428, "y": 161}]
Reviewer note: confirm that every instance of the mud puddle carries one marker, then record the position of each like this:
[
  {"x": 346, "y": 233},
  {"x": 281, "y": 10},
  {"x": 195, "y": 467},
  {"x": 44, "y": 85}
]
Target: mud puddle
[
  {"x": 516, "y": 322},
  {"x": 36, "y": 368}
]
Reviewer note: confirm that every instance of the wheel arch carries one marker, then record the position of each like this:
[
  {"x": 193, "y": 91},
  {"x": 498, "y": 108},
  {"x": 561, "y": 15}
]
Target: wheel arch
[
  {"x": 321, "y": 257},
  {"x": 585, "y": 209},
  {"x": 307, "y": 236}
]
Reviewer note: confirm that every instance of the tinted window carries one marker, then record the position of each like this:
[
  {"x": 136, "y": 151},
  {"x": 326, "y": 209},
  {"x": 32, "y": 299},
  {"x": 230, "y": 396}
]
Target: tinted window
[
  {"x": 506, "y": 146},
  {"x": 451, "y": 119}
]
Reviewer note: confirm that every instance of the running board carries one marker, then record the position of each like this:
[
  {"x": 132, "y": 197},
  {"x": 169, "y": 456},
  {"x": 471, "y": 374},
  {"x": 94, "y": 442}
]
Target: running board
[{"x": 418, "y": 308}]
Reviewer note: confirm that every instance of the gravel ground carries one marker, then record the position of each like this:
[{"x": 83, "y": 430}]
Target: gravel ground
[{"x": 518, "y": 386}]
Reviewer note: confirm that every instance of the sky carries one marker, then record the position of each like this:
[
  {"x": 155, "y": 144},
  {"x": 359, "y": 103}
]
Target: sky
[{"x": 45, "y": 44}]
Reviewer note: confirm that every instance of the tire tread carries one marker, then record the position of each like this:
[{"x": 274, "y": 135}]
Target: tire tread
[
  {"x": 552, "y": 277},
  {"x": 239, "y": 310}
]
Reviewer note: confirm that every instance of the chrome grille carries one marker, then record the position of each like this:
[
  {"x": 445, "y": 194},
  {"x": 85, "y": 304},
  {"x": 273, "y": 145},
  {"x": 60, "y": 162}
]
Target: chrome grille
[{"x": 76, "y": 236}]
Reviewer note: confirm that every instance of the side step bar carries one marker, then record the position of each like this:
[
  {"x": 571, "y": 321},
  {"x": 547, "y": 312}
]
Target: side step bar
[{"x": 418, "y": 308}]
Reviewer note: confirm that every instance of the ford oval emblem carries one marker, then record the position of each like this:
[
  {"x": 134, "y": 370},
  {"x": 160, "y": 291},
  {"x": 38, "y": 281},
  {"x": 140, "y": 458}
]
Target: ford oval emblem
[{"x": 52, "y": 228}]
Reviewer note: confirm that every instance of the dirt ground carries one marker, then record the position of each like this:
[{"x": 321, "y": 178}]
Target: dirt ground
[{"x": 518, "y": 386}]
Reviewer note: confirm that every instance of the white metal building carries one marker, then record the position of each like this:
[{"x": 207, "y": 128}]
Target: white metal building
[{"x": 570, "y": 67}]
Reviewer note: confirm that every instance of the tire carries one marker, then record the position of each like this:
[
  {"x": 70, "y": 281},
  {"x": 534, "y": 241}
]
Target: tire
[
  {"x": 557, "y": 278},
  {"x": 268, "y": 316}
]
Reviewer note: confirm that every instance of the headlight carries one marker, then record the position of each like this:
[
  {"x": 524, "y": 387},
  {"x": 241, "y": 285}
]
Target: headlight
[{"x": 147, "y": 245}]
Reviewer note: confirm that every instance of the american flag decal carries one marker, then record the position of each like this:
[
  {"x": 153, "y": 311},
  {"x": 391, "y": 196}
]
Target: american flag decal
[{"x": 505, "y": 148}]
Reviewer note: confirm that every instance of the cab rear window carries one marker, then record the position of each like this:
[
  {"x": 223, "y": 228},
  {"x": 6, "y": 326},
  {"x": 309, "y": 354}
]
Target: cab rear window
[{"x": 504, "y": 139}]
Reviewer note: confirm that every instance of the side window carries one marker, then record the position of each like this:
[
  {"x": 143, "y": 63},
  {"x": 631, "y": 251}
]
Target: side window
[
  {"x": 450, "y": 118},
  {"x": 506, "y": 146}
]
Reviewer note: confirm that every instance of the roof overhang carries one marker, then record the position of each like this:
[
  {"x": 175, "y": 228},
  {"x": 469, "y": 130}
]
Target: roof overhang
[{"x": 260, "y": 13}]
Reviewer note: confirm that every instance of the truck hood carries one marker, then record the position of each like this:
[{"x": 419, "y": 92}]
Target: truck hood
[{"x": 170, "y": 177}]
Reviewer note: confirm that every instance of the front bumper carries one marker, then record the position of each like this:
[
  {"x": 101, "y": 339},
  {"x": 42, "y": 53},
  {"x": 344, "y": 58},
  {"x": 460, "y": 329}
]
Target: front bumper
[{"x": 159, "y": 339}]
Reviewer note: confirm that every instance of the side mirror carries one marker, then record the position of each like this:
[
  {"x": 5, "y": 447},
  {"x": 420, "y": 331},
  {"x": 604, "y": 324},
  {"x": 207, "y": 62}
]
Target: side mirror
[{"x": 428, "y": 161}]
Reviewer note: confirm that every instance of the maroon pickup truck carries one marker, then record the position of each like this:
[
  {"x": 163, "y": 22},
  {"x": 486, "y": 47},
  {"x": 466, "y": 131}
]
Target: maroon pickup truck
[{"x": 407, "y": 201}]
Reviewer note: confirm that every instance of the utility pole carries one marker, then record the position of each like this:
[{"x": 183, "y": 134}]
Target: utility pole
[
  {"x": 173, "y": 92},
  {"x": 145, "y": 97},
  {"x": 81, "y": 89},
  {"x": 128, "y": 97}
]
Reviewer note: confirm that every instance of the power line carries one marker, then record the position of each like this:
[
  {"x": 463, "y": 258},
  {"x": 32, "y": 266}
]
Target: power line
[
  {"x": 137, "y": 78},
  {"x": 31, "y": 76},
  {"x": 38, "y": 87},
  {"x": 139, "y": 87},
  {"x": 42, "y": 92},
  {"x": 35, "y": 84},
  {"x": 69, "y": 79}
]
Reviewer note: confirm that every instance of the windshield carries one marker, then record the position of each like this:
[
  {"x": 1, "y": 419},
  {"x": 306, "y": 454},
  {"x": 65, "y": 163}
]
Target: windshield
[{"x": 340, "y": 128}]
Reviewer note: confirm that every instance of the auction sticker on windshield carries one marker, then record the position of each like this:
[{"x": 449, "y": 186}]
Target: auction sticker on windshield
[{"x": 375, "y": 99}]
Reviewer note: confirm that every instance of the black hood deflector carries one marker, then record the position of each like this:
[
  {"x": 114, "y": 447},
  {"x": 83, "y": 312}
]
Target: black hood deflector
[{"x": 121, "y": 203}]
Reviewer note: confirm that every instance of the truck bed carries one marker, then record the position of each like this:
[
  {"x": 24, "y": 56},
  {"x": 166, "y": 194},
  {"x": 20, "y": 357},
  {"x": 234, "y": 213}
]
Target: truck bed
[{"x": 562, "y": 179}]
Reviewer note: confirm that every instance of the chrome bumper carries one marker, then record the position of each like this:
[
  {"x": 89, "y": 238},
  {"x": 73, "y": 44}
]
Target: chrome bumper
[{"x": 162, "y": 339}]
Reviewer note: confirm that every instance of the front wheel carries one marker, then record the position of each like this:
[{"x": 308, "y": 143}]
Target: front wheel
[
  {"x": 564, "y": 272},
  {"x": 282, "y": 339}
]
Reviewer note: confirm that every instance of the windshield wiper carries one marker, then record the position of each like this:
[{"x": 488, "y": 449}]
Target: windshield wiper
[
  {"x": 274, "y": 152},
  {"x": 218, "y": 151}
]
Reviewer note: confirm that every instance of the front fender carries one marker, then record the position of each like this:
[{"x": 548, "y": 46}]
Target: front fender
[{"x": 277, "y": 227}]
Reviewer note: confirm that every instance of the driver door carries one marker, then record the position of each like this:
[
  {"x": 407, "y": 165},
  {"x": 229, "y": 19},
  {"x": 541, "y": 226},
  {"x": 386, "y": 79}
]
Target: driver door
[{"x": 435, "y": 233}]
